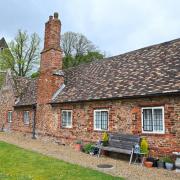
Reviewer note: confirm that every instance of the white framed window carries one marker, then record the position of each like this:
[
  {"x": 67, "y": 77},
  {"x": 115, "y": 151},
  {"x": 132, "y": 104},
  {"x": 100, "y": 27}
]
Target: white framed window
[
  {"x": 153, "y": 120},
  {"x": 9, "y": 116},
  {"x": 26, "y": 117},
  {"x": 66, "y": 119},
  {"x": 101, "y": 119}
]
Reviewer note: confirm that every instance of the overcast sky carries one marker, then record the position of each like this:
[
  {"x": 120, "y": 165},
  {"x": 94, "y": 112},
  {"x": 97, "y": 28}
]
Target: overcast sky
[{"x": 115, "y": 26}]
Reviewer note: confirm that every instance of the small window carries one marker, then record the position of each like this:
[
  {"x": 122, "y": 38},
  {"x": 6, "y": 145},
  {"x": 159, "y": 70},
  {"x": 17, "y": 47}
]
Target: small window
[
  {"x": 9, "y": 116},
  {"x": 101, "y": 119},
  {"x": 26, "y": 117},
  {"x": 153, "y": 120},
  {"x": 67, "y": 118}
]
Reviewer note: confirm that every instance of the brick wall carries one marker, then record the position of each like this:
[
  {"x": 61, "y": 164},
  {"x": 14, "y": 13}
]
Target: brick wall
[
  {"x": 124, "y": 116},
  {"x": 51, "y": 60},
  {"x": 7, "y": 100},
  {"x": 18, "y": 123}
]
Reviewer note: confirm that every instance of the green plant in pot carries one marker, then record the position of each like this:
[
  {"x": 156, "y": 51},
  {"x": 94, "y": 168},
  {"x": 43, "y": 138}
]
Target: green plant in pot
[
  {"x": 105, "y": 139},
  {"x": 88, "y": 148},
  {"x": 160, "y": 163},
  {"x": 169, "y": 163},
  {"x": 78, "y": 145},
  {"x": 144, "y": 146}
]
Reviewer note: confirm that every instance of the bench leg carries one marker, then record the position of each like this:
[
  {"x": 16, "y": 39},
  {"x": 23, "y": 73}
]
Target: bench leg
[
  {"x": 130, "y": 161},
  {"x": 99, "y": 153},
  {"x": 142, "y": 161}
]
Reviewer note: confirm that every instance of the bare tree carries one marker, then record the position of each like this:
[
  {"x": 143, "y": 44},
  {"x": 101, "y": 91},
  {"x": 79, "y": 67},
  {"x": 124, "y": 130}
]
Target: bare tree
[
  {"x": 22, "y": 54},
  {"x": 75, "y": 44},
  {"x": 67, "y": 43}
]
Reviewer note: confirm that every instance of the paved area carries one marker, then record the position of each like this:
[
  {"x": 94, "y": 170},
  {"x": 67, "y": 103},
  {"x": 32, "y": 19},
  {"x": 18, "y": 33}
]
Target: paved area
[{"x": 121, "y": 168}]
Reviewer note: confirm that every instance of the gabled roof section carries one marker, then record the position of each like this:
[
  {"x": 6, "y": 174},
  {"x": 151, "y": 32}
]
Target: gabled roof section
[
  {"x": 29, "y": 96},
  {"x": 3, "y": 43},
  {"x": 23, "y": 88},
  {"x": 148, "y": 71}
]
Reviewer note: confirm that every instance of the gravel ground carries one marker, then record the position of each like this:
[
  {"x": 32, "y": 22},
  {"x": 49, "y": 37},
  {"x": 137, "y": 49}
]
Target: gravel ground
[{"x": 121, "y": 168}]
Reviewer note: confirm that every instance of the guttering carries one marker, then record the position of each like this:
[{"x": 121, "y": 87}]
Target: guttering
[
  {"x": 28, "y": 105},
  {"x": 120, "y": 98}
]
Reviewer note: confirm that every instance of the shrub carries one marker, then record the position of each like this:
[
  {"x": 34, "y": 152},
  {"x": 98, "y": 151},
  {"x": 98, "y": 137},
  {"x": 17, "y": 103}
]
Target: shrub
[
  {"x": 105, "y": 137},
  {"x": 144, "y": 146},
  {"x": 167, "y": 159},
  {"x": 88, "y": 148}
]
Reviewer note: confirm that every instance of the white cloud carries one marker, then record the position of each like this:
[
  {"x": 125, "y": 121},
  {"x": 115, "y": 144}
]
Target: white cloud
[{"x": 115, "y": 26}]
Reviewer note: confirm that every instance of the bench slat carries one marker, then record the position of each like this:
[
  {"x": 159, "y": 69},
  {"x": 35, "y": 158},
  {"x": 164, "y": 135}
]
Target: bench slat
[
  {"x": 124, "y": 137},
  {"x": 113, "y": 149},
  {"x": 121, "y": 143}
]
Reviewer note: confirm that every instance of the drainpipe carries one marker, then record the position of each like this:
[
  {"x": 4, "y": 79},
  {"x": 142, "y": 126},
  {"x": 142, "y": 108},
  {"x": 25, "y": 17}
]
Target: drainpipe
[{"x": 34, "y": 123}]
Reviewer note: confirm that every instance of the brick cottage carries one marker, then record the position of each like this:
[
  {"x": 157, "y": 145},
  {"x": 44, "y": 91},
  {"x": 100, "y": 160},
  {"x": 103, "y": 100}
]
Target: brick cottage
[{"x": 137, "y": 93}]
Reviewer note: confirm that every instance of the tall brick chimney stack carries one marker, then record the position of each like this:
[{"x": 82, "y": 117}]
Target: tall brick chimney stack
[
  {"x": 51, "y": 61},
  {"x": 51, "y": 56}
]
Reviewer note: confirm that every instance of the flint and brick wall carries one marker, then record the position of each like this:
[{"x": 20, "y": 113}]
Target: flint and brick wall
[
  {"x": 18, "y": 122},
  {"x": 6, "y": 104},
  {"x": 124, "y": 116}
]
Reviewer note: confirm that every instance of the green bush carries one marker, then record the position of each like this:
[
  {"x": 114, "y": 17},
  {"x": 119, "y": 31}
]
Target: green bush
[
  {"x": 144, "y": 146},
  {"x": 167, "y": 159},
  {"x": 88, "y": 148}
]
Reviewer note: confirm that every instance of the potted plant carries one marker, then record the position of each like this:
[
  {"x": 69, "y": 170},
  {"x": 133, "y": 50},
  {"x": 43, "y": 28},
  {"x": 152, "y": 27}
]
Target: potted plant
[
  {"x": 153, "y": 160},
  {"x": 144, "y": 149},
  {"x": 160, "y": 163},
  {"x": 105, "y": 139},
  {"x": 169, "y": 164},
  {"x": 78, "y": 145},
  {"x": 88, "y": 148},
  {"x": 148, "y": 164},
  {"x": 144, "y": 146}
]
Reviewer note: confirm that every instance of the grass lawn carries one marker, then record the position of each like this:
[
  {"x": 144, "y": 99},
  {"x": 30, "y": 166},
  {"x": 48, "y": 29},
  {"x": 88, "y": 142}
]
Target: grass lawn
[{"x": 20, "y": 164}]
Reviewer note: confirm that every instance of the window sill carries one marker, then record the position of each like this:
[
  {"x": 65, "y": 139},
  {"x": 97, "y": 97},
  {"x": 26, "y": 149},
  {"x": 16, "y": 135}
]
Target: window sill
[
  {"x": 99, "y": 130},
  {"x": 153, "y": 133},
  {"x": 66, "y": 127}
]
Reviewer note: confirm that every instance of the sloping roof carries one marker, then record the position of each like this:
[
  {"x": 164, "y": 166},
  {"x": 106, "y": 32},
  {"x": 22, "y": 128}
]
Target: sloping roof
[
  {"x": 20, "y": 85},
  {"x": 147, "y": 71},
  {"x": 29, "y": 95},
  {"x": 3, "y": 43}
]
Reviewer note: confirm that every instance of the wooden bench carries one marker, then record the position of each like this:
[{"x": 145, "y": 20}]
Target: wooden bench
[{"x": 121, "y": 143}]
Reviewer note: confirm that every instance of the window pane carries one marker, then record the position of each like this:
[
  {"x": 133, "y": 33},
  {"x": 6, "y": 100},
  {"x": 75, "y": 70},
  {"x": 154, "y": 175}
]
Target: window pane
[
  {"x": 101, "y": 120},
  {"x": 26, "y": 117},
  {"x": 104, "y": 120},
  {"x": 69, "y": 119},
  {"x": 147, "y": 120},
  {"x": 158, "y": 120},
  {"x": 10, "y": 116},
  {"x": 97, "y": 119},
  {"x": 64, "y": 115},
  {"x": 66, "y": 118}
]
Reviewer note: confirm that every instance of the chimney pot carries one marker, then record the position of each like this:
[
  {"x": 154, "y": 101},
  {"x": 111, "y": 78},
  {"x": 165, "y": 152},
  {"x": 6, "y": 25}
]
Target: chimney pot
[
  {"x": 56, "y": 15},
  {"x": 50, "y": 18}
]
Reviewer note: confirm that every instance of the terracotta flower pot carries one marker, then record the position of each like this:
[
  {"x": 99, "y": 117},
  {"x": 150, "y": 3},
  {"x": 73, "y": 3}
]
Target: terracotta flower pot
[
  {"x": 77, "y": 147},
  {"x": 148, "y": 164}
]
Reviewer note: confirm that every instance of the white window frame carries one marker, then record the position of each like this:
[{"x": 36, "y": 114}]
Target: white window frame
[
  {"x": 69, "y": 126},
  {"x": 163, "y": 121},
  {"x": 99, "y": 129},
  {"x": 11, "y": 116},
  {"x": 24, "y": 117}
]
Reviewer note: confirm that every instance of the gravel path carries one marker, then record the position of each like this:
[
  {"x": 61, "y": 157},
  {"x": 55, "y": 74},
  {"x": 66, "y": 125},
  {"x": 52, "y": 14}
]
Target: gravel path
[{"x": 121, "y": 168}]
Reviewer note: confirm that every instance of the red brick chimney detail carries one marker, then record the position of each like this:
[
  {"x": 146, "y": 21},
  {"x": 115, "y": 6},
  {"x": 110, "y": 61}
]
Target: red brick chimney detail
[{"x": 51, "y": 60}]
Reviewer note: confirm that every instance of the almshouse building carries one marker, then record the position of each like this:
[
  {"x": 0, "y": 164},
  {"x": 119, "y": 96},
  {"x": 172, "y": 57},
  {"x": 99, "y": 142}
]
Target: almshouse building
[{"x": 136, "y": 93}]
